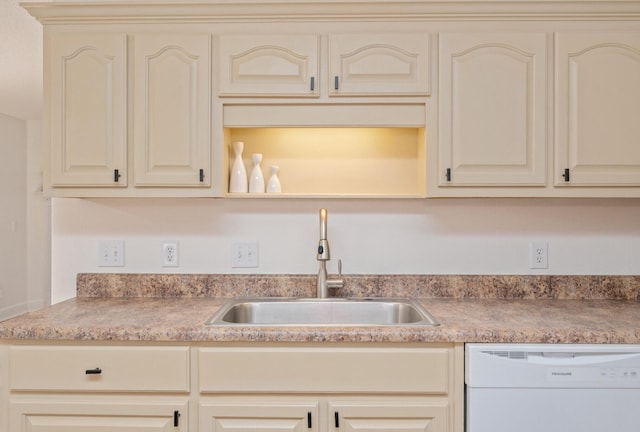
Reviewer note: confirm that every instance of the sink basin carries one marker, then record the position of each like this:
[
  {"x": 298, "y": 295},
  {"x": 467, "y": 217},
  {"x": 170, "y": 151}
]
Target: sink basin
[{"x": 333, "y": 311}]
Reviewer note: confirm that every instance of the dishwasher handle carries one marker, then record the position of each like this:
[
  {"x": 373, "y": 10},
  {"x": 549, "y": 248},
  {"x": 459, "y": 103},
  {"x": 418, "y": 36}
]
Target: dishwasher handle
[{"x": 577, "y": 358}]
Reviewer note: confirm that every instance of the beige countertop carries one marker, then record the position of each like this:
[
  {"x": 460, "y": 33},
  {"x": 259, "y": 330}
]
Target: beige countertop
[
  {"x": 461, "y": 320},
  {"x": 506, "y": 315}
]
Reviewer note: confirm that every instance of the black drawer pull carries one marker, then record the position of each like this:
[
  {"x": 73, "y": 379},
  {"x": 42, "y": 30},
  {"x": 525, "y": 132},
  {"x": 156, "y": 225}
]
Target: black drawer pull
[
  {"x": 337, "y": 418},
  {"x": 96, "y": 371},
  {"x": 309, "y": 424}
]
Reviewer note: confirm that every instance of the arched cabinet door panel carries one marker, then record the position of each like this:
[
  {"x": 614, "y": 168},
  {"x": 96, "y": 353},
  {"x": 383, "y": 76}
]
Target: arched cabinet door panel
[
  {"x": 86, "y": 88},
  {"x": 597, "y": 109},
  {"x": 172, "y": 144},
  {"x": 379, "y": 64},
  {"x": 269, "y": 65},
  {"x": 493, "y": 100}
]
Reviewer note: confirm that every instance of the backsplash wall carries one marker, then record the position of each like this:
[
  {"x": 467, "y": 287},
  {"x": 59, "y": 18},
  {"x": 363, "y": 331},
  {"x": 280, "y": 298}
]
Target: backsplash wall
[{"x": 465, "y": 236}]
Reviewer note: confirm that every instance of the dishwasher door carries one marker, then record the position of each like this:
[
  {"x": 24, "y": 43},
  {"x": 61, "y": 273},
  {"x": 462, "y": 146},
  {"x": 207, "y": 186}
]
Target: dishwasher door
[{"x": 552, "y": 388}]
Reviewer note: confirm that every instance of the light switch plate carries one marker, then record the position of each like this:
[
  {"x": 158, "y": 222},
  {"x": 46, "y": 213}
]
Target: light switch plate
[
  {"x": 111, "y": 253},
  {"x": 244, "y": 254}
]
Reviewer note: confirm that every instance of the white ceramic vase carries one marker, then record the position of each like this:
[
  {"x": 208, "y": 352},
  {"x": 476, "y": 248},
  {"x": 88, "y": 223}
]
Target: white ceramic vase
[
  {"x": 238, "y": 176},
  {"x": 256, "y": 179},
  {"x": 273, "y": 185}
]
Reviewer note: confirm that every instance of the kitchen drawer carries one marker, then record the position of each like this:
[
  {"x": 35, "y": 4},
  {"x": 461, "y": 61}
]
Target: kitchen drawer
[
  {"x": 387, "y": 370},
  {"x": 60, "y": 368}
]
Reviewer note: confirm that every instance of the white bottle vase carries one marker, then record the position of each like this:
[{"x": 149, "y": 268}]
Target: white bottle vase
[
  {"x": 238, "y": 177},
  {"x": 273, "y": 185},
  {"x": 256, "y": 180}
]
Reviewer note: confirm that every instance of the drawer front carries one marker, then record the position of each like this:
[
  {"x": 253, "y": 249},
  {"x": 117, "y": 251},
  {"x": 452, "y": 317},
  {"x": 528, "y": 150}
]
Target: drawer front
[
  {"x": 99, "y": 368},
  {"x": 370, "y": 370}
]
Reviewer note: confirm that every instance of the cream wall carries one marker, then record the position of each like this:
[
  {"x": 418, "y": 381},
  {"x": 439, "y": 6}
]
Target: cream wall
[
  {"x": 13, "y": 215},
  {"x": 24, "y": 219},
  {"x": 468, "y": 236}
]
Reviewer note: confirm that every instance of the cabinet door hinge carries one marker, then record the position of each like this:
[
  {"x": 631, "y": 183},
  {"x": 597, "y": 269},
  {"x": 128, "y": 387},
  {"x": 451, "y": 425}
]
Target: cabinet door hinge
[
  {"x": 566, "y": 174},
  {"x": 176, "y": 418}
]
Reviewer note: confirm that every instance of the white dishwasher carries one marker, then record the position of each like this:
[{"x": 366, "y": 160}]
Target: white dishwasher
[{"x": 552, "y": 388}]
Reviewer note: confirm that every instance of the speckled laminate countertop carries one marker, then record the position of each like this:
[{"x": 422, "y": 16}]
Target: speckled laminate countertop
[{"x": 498, "y": 309}]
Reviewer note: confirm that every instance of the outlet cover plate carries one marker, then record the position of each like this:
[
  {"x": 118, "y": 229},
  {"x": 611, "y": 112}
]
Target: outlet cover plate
[{"x": 539, "y": 255}]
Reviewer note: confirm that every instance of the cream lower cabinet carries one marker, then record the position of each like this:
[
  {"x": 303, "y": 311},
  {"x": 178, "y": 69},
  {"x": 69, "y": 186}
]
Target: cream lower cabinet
[
  {"x": 87, "y": 387},
  {"x": 98, "y": 388},
  {"x": 305, "y": 414},
  {"x": 246, "y": 414},
  {"x": 68, "y": 414},
  {"x": 597, "y": 109},
  {"x": 331, "y": 389}
]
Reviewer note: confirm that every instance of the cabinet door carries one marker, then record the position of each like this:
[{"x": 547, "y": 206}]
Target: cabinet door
[
  {"x": 492, "y": 128},
  {"x": 269, "y": 65},
  {"x": 252, "y": 415},
  {"x": 598, "y": 109},
  {"x": 87, "y": 109},
  {"x": 379, "y": 64},
  {"x": 172, "y": 110},
  {"x": 86, "y": 415},
  {"x": 389, "y": 415}
]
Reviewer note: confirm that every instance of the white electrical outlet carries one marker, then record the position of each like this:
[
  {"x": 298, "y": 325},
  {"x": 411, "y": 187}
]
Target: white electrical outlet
[
  {"x": 244, "y": 254},
  {"x": 111, "y": 253},
  {"x": 170, "y": 254},
  {"x": 539, "y": 255}
]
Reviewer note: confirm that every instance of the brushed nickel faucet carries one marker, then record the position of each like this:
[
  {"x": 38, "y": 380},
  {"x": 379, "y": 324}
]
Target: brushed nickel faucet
[{"x": 324, "y": 283}]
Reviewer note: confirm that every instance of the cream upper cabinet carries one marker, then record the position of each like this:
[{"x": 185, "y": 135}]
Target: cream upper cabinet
[
  {"x": 172, "y": 101},
  {"x": 269, "y": 65},
  {"x": 394, "y": 64},
  {"x": 85, "y": 90},
  {"x": 597, "y": 109},
  {"x": 492, "y": 109},
  {"x": 446, "y": 100},
  {"x": 360, "y": 64}
]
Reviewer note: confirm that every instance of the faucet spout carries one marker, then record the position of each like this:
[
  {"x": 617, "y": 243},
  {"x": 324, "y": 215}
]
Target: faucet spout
[
  {"x": 323, "y": 244},
  {"x": 324, "y": 282}
]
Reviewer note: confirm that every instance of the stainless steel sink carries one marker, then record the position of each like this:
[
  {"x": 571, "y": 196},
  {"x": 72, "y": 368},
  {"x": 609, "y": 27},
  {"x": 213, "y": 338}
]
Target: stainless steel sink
[{"x": 333, "y": 311}]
